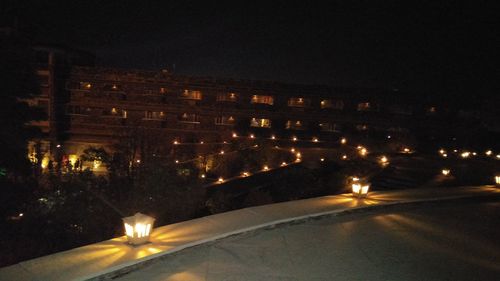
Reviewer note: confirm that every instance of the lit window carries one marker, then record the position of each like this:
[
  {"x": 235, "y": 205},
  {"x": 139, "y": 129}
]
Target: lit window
[
  {"x": 364, "y": 106},
  {"x": 85, "y": 86},
  {"x": 232, "y": 97},
  {"x": 329, "y": 127},
  {"x": 112, "y": 87},
  {"x": 189, "y": 118},
  {"x": 294, "y": 125},
  {"x": 191, "y": 95},
  {"x": 154, "y": 115},
  {"x": 115, "y": 112},
  {"x": 332, "y": 104},
  {"x": 260, "y": 122},
  {"x": 298, "y": 102},
  {"x": 163, "y": 90},
  {"x": 361, "y": 127},
  {"x": 262, "y": 99},
  {"x": 224, "y": 120}
]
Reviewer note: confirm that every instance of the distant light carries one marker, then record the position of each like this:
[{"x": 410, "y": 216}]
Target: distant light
[
  {"x": 344, "y": 157},
  {"x": 265, "y": 168},
  {"x": 315, "y": 140},
  {"x": 252, "y": 136},
  {"x": 235, "y": 135},
  {"x": 363, "y": 151},
  {"x": 283, "y": 163},
  {"x": 298, "y": 155},
  {"x": 455, "y": 150},
  {"x": 58, "y": 146},
  {"x": 322, "y": 159},
  {"x": 488, "y": 153},
  {"x": 474, "y": 153},
  {"x": 498, "y": 156},
  {"x": 445, "y": 155},
  {"x": 292, "y": 150},
  {"x": 224, "y": 142},
  {"x": 273, "y": 137},
  {"x": 222, "y": 152},
  {"x": 384, "y": 160},
  {"x": 245, "y": 174},
  {"x": 294, "y": 138},
  {"x": 497, "y": 180},
  {"x": 343, "y": 141},
  {"x": 220, "y": 180},
  {"x": 201, "y": 142},
  {"x": 406, "y": 150},
  {"x": 445, "y": 172},
  {"x": 355, "y": 179},
  {"x": 138, "y": 160},
  {"x": 202, "y": 176},
  {"x": 176, "y": 161},
  {"x": 176, "y": 142},
  {"x": 388, "y": 137},
  {"x": 442, "y": 151},
  {"x": 21, "y": 214},
  {"x": 465, "y": 154}
]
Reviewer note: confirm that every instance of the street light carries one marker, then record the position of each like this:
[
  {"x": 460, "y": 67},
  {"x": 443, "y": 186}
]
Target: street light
[
  {"x": 497, "y": 180},
  {"x": 138, "y": 228},
  {"x": 445, "y": 172},
  {"x": 360, "y": 189}
]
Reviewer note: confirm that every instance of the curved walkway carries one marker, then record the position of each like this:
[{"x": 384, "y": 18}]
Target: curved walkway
[
  {"x": 113, "y": 257},
  {"x": 443, "y": 241}
]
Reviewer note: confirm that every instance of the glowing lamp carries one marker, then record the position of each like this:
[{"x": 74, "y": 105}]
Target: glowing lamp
[
  {"x": 315, "y": 140},
  {"x": 488, "y": 153},
  {"x": 202, "y": 176},
  {"x": 138, "y": 228},
  {"x": 294, "y": 138},
  {"x": 252, "y": 136},
  {"x": 220, "y": 180},
  {"x": 235, "y": 135},
  {"x": 442, "y": 151},
  {"x": 343, "y": 141},
  {"x": 445, "y": 172},
  {"x": 273, "y": 137},
  {"x": 363, "y": 151},
  {"x": 176, "y": 142},
  {"x": 283, "y": 163},
  {"x": 322, "y": 159},
  {"x": 222, "y": 152},
  {"x": 265, "y": 168},
  {"x": 406, "y": 150},
  {"x": 384, "y": 161},
  {"x": 497, "y": 180},
  {"x": 360, "y": 190},
  {"x": 245, "y": 174},
  {"x": 344, "y": 157}
]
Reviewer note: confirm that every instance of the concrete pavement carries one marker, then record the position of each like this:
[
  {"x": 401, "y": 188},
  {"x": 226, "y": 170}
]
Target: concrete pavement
[{"x": 114, "y": 257}]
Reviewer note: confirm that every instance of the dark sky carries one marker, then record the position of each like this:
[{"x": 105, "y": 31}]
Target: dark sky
[{"x": 422, "y": 46}]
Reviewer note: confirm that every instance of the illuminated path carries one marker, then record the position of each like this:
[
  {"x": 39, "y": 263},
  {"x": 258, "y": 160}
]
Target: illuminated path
[
  {"x": 438, "y": 241},
  {"x": 444, "y": 244}
]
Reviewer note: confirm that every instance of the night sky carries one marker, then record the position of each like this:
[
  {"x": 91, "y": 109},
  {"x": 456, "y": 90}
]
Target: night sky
[{"x": 437, "y": 47}]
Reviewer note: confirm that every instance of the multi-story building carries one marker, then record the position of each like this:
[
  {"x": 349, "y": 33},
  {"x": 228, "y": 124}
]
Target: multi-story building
[{"x": 89, "y": 105}]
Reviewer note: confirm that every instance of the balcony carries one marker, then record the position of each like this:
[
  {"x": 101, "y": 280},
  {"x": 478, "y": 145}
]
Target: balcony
[
  {"x": 299, "y": 102},
  {"x": 261, "y": 99}
]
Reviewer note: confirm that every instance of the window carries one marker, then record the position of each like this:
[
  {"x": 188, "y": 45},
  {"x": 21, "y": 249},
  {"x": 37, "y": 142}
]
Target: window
[
  {"x": 163, "y": 90},
  {"x": 112, "y": 87},
  {"x": 115, "y": 112},
  {"x": 361, "y": 127},
  {"x": 298, "y": 102},
  {"x": 224, "y": 120},
  {"x": 338, "y": 104},
  {"x": 294, "y": 125},
  {"x": 191, "y": 95},
  {"x": 260, "y": 122},
  {"x": 189, "y": 118},
  {"x": 77, "y": 110},
  {"x": 329, "y": 127},
  {"x": 262, "y": 99},
  {"x": 154, "y": 115},
  {"x": 43, "y": 80},
  {"x": 364, "y": 106},
  {"x": 232, "y": 97}
]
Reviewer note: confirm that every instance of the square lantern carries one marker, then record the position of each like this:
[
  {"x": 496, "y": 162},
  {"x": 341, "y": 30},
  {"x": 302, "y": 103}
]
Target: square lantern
[
  {"x": 360, "y": 189},
  {"x": 497, "y": 180},
  {"x": 138, "y": 228}
]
